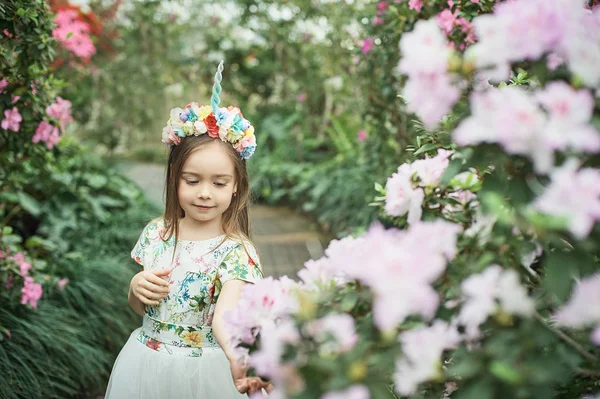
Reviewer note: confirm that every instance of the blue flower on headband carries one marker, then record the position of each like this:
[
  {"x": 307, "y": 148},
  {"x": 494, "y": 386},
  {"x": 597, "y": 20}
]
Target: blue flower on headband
[
  {"x": 192, "y": 117},
  {"x": 179, "y": 131},
  {"x": 238, "y": 124},
  {"x": 223, "y": 114},
  {"x": 248, "y": 151}
]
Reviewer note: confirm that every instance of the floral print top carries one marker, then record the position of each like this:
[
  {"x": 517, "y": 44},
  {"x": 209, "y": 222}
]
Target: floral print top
[{"x": 181, "y": 324}]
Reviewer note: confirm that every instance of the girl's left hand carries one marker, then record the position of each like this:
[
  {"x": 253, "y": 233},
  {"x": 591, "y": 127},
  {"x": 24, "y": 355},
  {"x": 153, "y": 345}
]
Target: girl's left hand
[{"x": 245, "y": 384}]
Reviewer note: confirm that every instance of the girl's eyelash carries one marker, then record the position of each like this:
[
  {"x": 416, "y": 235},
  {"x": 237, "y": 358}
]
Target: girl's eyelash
[{"x": 192, "y": 182}]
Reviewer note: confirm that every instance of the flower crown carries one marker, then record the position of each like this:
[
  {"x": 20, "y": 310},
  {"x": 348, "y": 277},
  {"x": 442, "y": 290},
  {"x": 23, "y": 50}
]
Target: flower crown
[{"x": 228, "y": 124}]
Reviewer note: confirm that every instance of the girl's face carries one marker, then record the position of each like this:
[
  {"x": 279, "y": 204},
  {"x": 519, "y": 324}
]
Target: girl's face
[{"x": 207, "y": 184}]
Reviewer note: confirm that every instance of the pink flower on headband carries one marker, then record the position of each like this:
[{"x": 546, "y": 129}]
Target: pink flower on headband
[
  {"x": 169, "y": 137},
  {"x": 247, "y": 141}
]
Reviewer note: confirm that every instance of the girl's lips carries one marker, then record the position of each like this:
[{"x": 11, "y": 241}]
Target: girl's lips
[{"x": 204, "y": 208}]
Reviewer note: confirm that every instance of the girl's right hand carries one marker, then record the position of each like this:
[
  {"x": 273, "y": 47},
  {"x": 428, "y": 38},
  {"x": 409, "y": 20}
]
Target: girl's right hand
[{"x": 149, "y": 287}]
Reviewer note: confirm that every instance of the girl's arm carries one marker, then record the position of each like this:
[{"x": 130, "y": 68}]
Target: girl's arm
[
  {"x": 146, "y": 288},
  {"x": 228, "y": 299}
]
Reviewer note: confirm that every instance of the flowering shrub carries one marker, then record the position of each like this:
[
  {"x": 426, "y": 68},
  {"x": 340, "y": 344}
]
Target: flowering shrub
[{"x": 491, "y": 288}]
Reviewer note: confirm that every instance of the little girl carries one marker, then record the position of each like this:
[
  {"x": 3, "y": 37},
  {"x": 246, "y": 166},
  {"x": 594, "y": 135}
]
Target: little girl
[{"x": 196, "y": 259}]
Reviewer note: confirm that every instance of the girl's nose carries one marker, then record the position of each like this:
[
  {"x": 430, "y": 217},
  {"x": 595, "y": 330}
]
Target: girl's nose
[{"x": 204, "y": 192}]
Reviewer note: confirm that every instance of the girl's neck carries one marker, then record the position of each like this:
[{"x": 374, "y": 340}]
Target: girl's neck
[{"x": 193, "y": 230}]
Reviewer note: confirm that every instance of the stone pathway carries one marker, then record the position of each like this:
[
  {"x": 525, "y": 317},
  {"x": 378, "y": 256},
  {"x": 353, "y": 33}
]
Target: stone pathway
[{"x": 285, "y": 239}]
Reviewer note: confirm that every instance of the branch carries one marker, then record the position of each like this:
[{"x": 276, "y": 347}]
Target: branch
[{"x": 570, "y": 341}]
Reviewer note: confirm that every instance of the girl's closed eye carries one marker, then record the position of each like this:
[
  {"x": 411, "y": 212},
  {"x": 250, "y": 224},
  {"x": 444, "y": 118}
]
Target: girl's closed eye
[
  {"x": 219, "y": 184},
  {"x": 191, "y": 182}
]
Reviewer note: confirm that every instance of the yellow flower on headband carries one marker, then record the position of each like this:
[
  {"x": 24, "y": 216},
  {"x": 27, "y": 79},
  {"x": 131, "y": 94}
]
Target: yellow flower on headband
[
  {"x": 249, "y": 131},
  {"x": 202, "y": 111}
]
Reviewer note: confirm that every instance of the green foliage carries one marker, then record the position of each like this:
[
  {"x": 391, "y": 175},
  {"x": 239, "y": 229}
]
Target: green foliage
[{"x": 67, "y": 347}]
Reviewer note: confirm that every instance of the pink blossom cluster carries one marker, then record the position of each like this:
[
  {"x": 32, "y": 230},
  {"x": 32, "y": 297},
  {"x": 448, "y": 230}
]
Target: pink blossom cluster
[
  {"x": 410, "y": 260},
  {"x": 448, "y": 21},
  {"x": 12, "y": 120},
  {"x": 325, "y": 270},
  {"x": 583, "y": 308},
  {"x": 260, "y": 304},
  {"x": 528, "y": 30},
  {"x": 48, "y": 133},
  {"x": 263, "y": 309},
  {"x": 573, "y": 194},
  {"x": 486, "y": 293},
  {"x": 73, "y": 33},
  {"x": 404, "y": 194},
  {"x": 3, "y": 84},
  {"x": 422, "y": 350},
  {"x": 60, "y": 110},
  {"x": 335, "y": 332},
  {"x": 31, "y": 292},
  {"x": 515, "y": 119},
  {"x": 429, "y": 92},
  {"x": 24, "y": 266}
]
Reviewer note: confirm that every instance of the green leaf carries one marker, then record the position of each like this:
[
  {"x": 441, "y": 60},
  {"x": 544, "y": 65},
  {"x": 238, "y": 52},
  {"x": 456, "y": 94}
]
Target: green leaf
[
  {"x": 349, "y": 301},
  {"x": 425, "y": 148},
  {"x": 478, "y": 389},
  {"x": 453, "y": 168},
  {"x": 29, "y": 203},
  {"x": 505, "y": 372},
  {"x": 559, "y": 273}
]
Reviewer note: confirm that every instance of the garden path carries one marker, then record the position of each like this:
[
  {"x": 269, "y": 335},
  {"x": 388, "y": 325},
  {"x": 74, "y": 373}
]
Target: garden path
[{"x": 285, "y": 239}]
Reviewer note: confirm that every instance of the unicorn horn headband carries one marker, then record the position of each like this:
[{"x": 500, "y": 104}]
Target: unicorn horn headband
[{"x": 226, "y": 124}]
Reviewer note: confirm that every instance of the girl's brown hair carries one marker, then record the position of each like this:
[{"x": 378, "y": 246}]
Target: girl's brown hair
[{"x": 236, "y": 223}]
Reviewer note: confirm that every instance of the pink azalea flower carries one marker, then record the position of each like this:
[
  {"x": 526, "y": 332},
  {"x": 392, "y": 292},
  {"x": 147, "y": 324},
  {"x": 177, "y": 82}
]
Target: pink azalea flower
[
  {"x": 583, "y": 308},
  {"x": 31, "y": 292},
  {"x": 377, "y": 21},
  {"x": 429, "y": 92},
  {"x": 60, "y": 110},
  {"x": 422, "y": 350},
  {"x": 415, "y": 5},
  {"x": 362, "y": 135},
  {"x": 554, "y": 61},
  {"x": 47, "y": 133},
  {"x": 526, "y": 30},
  {"x": 353, "y": 392},
  {"x": 409, "y": 268},
  {"x": 73, "y": 34},
  {"x": 301, "y": 97},
  {"x": 485, "y": 292},
  {"x": 3, "y": 84},
  {"x": 446, "y": 20},
  {"x": 575, "y": 195},
  {"x": 12, "y": 120},
  {"x": 24, "y": 266},
  {"x": 401, "y": 197},
  {"x": 338, "y": 326},
  {"x": 62, "y": 283},
  {"x": 382, "y": 6},
  {"x": 367, "y": 45},
  {"x": 430, "y": 170},
  {"x": 511, "y": 118},
  {"x": 570, "y": 111}
]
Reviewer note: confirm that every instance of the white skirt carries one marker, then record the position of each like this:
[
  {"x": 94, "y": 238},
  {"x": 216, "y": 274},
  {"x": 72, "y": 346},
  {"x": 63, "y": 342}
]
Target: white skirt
[{"x": 141, "y": 372}]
